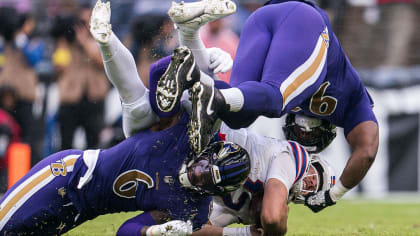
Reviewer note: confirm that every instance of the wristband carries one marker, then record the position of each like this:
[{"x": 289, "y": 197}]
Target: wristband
[
  {"x": 337, "y": 191},
  {"x": 243, "y": 231}
]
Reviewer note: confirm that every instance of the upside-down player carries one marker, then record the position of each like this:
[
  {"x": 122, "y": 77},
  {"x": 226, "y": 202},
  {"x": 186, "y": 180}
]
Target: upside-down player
[{"x": 288, "y": 61}]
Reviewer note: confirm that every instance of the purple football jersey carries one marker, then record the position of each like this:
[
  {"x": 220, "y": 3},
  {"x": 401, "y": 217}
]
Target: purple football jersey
[{"x": 70, "y": 187}]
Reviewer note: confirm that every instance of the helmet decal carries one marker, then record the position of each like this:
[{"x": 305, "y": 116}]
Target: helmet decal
[{"x": 220, "y": 168}]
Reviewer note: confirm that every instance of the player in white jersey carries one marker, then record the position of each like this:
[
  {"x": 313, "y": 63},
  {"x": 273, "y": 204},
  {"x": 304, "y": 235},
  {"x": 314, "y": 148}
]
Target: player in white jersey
[{"x": 281, "y": 171}]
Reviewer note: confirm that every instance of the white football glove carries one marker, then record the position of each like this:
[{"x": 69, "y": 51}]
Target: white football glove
[
  {"x": 171, "y": 228},
  {"x": 220, "y": 61}
]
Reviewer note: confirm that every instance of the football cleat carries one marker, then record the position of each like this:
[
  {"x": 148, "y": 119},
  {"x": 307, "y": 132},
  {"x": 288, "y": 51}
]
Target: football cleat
[
  {"x": 204, "y": 122},
  {"x": 100, "y": 26},
  {"x": 180, "y": 75},
  {"x": 193, "y": 15}
]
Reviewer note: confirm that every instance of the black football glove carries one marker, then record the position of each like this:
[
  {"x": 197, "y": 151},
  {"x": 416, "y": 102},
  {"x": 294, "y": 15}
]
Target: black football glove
[{"x": 318, "y": 201}]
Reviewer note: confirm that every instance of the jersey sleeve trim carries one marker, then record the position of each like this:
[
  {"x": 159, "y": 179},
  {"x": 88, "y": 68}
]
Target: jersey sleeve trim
[{"x": 301, "y": 159}]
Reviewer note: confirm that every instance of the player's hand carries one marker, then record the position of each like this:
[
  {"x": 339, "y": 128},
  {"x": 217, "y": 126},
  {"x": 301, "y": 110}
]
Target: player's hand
[
  {"x": 318, "y": 201},
  {"x": 220, "y": 61},
  {"x": 171, "y": 228}
]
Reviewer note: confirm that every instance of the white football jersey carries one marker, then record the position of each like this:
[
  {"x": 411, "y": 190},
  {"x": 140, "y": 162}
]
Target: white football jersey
[{"x": 286, "y": 161}]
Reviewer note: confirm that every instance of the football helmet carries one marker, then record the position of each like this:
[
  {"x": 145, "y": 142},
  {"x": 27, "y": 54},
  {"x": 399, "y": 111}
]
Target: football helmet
[
  {"x": 320, "y": 177},
  {"x": 220, "y": 168},
  {"x": 313, "y": 133}
]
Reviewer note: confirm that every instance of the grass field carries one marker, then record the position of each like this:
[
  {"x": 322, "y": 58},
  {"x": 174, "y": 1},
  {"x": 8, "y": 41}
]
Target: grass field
[{"x": 349, "y": 217}]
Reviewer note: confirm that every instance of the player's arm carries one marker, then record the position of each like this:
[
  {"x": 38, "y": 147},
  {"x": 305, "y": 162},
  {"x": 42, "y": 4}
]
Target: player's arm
[
  {"x": 275, "y": 210},
  {"x": 364, "y": 141},
  {"x": 153, "y": 224},
  {"x": 280, "y": 178},
  {"x": 209, "y": 229}
]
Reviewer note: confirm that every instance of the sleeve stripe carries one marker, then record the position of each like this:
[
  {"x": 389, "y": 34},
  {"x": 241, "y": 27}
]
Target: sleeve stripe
[
  {"x": 304, "y": 163},
  {"x": 306, "y": 74},
  {"x": 301, "y": 159}
]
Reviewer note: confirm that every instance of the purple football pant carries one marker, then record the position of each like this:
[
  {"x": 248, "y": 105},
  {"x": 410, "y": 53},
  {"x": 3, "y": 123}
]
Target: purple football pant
[{"x": 38, "y": 203}]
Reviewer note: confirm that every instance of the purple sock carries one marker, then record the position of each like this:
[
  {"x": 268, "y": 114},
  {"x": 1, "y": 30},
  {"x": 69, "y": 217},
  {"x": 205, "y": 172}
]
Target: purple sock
[{"x": 133, "y": 226}]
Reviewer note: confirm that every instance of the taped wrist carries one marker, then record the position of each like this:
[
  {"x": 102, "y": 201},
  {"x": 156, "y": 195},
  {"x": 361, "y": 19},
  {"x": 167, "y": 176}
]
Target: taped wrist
[
  {"x": 243, "y": 231},
  {"x": 337, "y": 191}
]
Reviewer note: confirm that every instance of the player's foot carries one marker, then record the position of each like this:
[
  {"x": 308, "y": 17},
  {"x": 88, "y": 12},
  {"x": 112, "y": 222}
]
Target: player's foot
[
  {"x": 195, "y": 14},
  {"x": 180, "y": 75},
  {"x": 204, "y": 122},
  {"x": 100, "y": 26}
]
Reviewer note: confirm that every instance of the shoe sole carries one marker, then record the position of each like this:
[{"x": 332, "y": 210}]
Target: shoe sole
[
  {"x": 194, "y": 127},
  {"x": 210, "y": 9},
  {"x": 101, "y": 29},
  {"x": 201, "y": 129},
  {"x": 171, "y": 85}
]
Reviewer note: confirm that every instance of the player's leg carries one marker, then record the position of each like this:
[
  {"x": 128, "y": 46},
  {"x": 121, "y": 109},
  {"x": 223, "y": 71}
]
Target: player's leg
[
  {"x": 280, "y": 61},
  {"x": 189, "y": 17},
  {"x": 292, "y": 64},
  {"x": 38, "y": 203},
  {"x": 121, "y": 70},
  {"x": 181, "y": 73}
]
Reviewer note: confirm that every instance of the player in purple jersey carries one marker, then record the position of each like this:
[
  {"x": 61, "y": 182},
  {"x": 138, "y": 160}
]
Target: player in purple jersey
[
  {"x": 147, "y": 171},
  {"x": 288, "y": 61}
]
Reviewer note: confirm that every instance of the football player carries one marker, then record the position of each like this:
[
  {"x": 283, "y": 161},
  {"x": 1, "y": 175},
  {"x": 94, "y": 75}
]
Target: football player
[
  {"x": 266, "y": 152},
  {"x": 144, "y": 172},
  {"x": 276, "y": 178},
  {"x": 288, "y": 61}
]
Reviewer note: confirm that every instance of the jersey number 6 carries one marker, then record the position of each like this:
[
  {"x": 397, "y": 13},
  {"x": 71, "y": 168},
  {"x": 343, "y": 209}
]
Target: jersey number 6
[
  {"x": 320, "y": 104},
  {"x": 125, "y": 185}
]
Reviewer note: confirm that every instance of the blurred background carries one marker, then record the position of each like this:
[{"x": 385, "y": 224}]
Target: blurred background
[{"x": 54, "y": 94}]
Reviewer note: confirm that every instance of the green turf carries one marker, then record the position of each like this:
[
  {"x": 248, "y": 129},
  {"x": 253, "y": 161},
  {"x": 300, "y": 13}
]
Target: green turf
[{"x": 355, "y": 217}]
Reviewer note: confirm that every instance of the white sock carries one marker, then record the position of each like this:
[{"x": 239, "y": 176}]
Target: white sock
[
  {"x": 233, "y": 97},
  {"x": 193, "y": 41},
  {"x": 121, "y": 70}
]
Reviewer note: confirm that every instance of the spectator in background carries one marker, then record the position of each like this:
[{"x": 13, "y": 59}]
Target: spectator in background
[
  {"x": 17, "y": 71},
  {"x": 22, "y": 6},
  {"x": 218, "y": 34},
  {"x": 151, "y": 40},
  {"x": 397, "y": 28},
  {"x": 9, "y": 131},
  {"x": 81, "y": 78}
]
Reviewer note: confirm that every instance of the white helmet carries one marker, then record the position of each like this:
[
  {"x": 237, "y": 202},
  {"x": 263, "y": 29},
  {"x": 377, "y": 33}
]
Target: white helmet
[{"x": 325, "y": 175}]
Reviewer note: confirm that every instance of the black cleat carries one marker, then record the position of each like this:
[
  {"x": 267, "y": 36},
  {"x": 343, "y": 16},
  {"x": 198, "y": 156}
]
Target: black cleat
[
  {"x": 204, "y": 121},
  {"x": 180, "y": 75}
]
